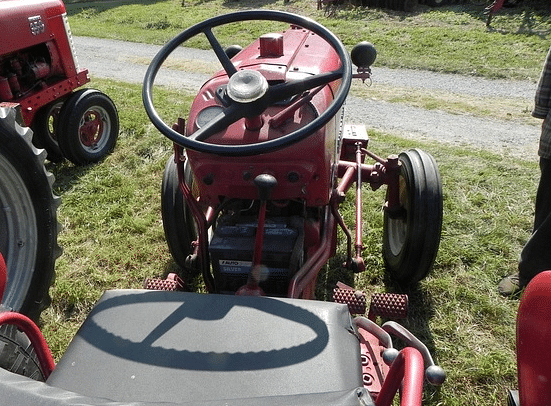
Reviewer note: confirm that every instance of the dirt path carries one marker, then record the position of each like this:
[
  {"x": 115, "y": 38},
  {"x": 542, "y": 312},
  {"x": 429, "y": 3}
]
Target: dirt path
[{"x": 128, "y": 62}]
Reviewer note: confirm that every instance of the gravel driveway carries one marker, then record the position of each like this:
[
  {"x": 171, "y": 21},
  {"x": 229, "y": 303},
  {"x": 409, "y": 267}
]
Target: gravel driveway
[{"x": 128, "y": 62}]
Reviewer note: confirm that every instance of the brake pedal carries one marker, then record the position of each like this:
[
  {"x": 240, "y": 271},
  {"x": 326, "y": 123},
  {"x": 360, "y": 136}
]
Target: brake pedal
[
  {"x": 172, "y": 283},
  {"x": 388, "y": 305},
  {"x": 355, "y": 299}
]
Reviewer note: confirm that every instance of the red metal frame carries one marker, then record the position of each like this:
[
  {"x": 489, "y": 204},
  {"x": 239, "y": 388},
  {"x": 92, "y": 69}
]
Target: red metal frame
[
  {"x": 496, "y": 6},
  {"x": 26, "y": 325},
  {"x": 407, "y": 373},
  {"x": 3, "y": 276},
  {"x": 38, "y": 342}
]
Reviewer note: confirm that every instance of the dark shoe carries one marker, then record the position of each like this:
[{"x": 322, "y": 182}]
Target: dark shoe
[{"x": 509, "y": 285}]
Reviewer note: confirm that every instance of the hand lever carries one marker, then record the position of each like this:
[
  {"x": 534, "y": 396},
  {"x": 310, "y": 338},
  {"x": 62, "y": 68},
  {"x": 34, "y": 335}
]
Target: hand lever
[
  {"x": 265, "y": 183},
  {"x": 435, "y": 375}
]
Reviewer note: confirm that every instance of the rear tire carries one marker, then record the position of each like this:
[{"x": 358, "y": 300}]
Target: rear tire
[
  {"x": 17, "y": 354},
  {"x": 28, "y": 220},
  {"x": 411, "y": 239},
  {"x": 88, "y": 127}
]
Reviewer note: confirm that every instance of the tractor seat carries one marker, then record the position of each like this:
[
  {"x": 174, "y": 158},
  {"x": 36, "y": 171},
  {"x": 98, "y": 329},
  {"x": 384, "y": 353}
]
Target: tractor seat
[{"x": 176, "y": 347}]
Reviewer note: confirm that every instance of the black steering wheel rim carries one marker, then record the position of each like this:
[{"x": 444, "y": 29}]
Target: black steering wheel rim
[{"x": 255, "y": 148}]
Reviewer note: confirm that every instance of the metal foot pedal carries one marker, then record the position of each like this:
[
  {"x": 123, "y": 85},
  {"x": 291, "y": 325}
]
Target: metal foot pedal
[
  {"x": 388, "y": 305},
  {"x": 172, "y": 282},
  {"x": 355, "y": 299}
]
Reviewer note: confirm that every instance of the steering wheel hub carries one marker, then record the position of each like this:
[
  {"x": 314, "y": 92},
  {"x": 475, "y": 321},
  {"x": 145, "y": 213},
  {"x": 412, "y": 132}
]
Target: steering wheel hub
[{"x": 246, "y": 86}]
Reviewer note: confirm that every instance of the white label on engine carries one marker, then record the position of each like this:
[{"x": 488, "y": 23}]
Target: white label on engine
[{"x": 234, "y": 266}]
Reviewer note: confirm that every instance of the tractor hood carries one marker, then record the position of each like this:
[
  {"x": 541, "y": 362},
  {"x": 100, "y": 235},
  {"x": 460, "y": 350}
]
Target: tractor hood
[
  {"x": 26, "y": 23},
  {"x": 285, "y": 56}
]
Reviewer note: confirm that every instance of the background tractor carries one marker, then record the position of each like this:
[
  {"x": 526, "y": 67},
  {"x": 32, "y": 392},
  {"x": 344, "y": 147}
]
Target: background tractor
[
  {"x": 39, "y": 78},
  {"x": 39, "y": 75},
  {"x": 43, "y": 115}
]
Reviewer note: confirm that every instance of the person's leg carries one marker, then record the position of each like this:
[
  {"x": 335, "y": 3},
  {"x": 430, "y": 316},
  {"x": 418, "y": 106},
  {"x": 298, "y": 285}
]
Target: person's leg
[{"x": 536, "y": 254}]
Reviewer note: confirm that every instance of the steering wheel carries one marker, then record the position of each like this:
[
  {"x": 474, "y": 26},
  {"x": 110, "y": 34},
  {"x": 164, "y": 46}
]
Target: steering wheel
[{"x": 249, "y": 93}]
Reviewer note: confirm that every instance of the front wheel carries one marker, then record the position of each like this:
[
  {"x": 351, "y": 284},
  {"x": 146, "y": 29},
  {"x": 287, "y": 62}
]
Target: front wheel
[
  {"x": 178, "y": 223},
  {"x": 44, "y": 128},
  {"x": 88, "y": 127},
  {"x": 436, "y": 3},
  {"x": 411, "y": 236}
]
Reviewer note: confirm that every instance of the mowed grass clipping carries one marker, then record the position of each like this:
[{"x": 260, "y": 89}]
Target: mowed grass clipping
[{"x": 112, "y": 237}]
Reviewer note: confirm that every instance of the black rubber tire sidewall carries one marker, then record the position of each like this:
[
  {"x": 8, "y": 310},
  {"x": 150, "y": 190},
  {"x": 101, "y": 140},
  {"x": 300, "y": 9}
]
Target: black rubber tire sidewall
[
  {"x": 178, "y": 223},
  {"x": 25, "y": 159},
  {"x": 416, "y": 256},
  {"x": 69, "y": 122},
  {"x": 17, "y": 354},
  {"x": 42, "y": 137}
]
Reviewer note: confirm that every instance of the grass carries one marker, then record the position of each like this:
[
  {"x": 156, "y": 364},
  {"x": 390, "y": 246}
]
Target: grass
[
  {"x": 449, "y": 39},
  {"x": 112, "y": 232}
]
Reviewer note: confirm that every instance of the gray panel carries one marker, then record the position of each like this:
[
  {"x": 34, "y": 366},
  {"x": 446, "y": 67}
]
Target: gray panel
[{"x": 154, "y": 346}]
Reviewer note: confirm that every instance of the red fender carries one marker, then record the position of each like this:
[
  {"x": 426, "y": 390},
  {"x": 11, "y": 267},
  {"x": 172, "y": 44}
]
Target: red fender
[
  {"x": 28, "y": 327},
  {"x": 533, "y": 338}
]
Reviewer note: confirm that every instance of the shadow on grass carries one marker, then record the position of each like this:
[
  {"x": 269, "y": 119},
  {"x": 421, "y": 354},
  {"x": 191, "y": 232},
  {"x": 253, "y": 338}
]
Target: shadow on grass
[{"x": 66, "y": 175}]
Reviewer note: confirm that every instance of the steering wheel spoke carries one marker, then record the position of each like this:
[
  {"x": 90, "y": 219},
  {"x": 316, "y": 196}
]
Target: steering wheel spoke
[
  {"x": 220, "y": 53},
  {"x": 284, "y": 91}
]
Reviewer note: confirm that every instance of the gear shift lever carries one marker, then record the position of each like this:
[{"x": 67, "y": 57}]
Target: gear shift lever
[{"x": 265, "y": 183}]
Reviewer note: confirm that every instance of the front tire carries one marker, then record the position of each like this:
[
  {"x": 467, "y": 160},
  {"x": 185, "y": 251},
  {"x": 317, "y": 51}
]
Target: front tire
[
  {"x": 88, "y": 127},
  {"x": 412, "y": 237},
  {"x": 436, "y": 3},
  {"x": 178, "y": 223}
]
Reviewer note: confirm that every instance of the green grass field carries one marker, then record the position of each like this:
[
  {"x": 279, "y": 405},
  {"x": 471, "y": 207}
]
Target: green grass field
[{"x": 112, "y": 232}]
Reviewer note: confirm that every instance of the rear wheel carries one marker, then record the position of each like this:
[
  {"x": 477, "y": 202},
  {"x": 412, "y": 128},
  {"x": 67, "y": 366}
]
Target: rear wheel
[
  {"x": 88, "y": 127},
  {"x": 178, "y": 222},
  {"x": 17, "y": 355},
  {"x": 28, "y": 222},
  {"x": 411, "y": 236},
  {"x": 28, "y": 239}
]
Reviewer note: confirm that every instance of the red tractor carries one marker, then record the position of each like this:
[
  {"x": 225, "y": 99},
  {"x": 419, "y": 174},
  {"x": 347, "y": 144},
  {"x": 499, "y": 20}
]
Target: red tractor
[
  {"x": 39, "y": 78},
  {"x": 39, "y": 74},
  {"x": 251, "y": 197},
  {"x": 250, "y": 201}
]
